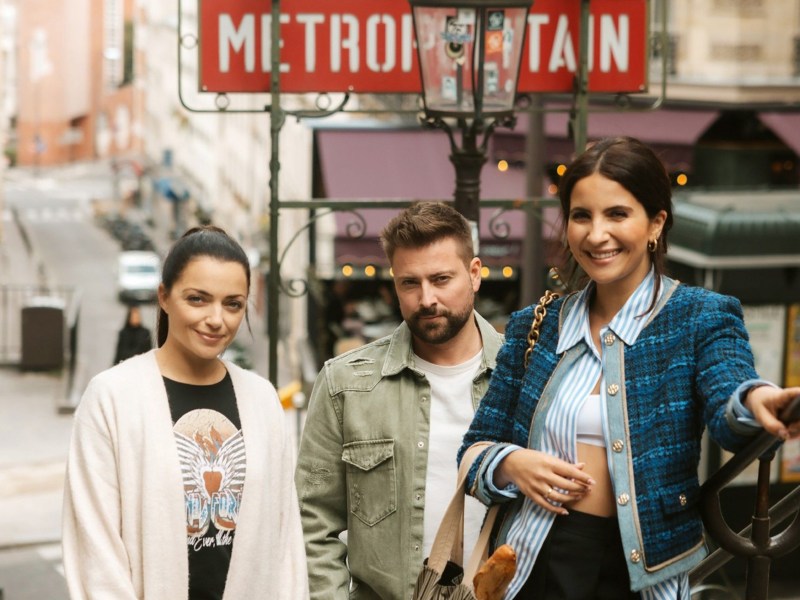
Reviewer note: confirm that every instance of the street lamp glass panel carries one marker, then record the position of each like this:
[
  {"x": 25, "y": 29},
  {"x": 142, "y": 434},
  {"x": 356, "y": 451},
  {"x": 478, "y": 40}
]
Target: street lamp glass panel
[{"x": 469, "y": 58}]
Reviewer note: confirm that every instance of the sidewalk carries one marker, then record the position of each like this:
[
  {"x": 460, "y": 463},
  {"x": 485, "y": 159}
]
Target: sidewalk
[
  {"x": 32, "y": 474},
  {"x": 35, "y": 435}
]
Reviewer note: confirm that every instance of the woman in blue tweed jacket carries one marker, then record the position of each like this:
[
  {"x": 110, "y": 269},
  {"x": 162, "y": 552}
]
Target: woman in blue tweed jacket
[{"x": 597, "y": 439}]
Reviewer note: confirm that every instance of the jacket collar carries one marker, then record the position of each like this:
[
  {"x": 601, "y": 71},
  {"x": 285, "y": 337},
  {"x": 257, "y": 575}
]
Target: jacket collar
[
  {"x": 398, "y": 357},
  {"x": 627, "y": 324}
]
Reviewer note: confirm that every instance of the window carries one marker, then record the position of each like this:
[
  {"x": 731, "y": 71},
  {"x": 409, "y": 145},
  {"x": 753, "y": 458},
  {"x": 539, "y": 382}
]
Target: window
[{"x": 113, "y": 43}]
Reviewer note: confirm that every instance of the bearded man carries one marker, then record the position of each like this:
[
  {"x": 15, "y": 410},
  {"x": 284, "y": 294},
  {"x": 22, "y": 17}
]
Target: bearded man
[{"x": 376, "y": 467}]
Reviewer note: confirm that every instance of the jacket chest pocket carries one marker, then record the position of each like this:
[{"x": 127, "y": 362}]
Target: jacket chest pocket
[{"x": 371, "y": 479}]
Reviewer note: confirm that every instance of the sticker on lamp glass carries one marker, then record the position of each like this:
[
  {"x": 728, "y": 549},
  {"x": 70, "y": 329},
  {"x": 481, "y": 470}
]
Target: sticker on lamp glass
[
  {"x": 466, "y": 15},
  {"x": 491, "y": 78},
  {"x": 494, "y": 42},
  {"x": 456, "y": 34},
  {"x": 457, "y": 31},
  {"x": 449, "y": 91},
  {"x": 508, "y": 39},
  {"x": 495, "y": 20}
]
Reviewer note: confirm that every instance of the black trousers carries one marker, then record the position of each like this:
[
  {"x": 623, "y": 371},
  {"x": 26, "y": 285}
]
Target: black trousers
[{"x": 581, "y": 559}]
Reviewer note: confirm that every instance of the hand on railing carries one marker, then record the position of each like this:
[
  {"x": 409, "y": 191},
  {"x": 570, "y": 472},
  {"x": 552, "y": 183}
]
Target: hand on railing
[{"x": 772, "y": 407}]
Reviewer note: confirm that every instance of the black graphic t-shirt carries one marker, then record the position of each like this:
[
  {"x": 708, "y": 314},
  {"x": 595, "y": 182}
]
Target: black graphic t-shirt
[{"x": 211, "y": 450}]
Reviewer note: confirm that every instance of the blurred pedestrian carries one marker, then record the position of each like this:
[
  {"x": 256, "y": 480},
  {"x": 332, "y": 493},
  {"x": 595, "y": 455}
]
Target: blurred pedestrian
[
  {"x": 179, "y": 477},
  {"x": 597, "y": 430},
  {"x": 134, "y": 338}
]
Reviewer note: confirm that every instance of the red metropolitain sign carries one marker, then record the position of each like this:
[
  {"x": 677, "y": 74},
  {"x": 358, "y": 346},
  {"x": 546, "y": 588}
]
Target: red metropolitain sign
[{"x": 368, "y": 46}]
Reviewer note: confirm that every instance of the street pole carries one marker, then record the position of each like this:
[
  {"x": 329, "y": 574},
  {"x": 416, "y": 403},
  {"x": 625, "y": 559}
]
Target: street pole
[
  {"x": 579, "y": 116},
  {"x": 531, "y": 284},
  {"x": 276, "y": 123},
  {"x": 468, "y": 161}
]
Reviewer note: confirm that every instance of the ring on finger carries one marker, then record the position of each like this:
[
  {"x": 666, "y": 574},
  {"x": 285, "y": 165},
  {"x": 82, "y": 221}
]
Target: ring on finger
[{"x": 547, "y": 495}]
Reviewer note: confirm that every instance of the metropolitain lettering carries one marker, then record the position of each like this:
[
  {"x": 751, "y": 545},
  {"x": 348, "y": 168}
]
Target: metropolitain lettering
[{"x": 384, "y": 43}]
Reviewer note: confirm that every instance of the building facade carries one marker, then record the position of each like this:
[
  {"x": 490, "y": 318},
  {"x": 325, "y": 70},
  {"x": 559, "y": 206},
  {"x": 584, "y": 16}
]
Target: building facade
[
  {"x": 735, "y": 51},
  {"x": 75, "y": 91}
]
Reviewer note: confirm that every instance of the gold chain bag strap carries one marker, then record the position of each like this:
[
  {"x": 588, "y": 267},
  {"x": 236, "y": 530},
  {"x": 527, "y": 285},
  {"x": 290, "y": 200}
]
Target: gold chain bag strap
[{"x": 538, "y": 316}]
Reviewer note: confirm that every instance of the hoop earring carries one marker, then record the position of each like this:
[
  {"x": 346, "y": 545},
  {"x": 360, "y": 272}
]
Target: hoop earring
[{"x": 652, "y": 246}]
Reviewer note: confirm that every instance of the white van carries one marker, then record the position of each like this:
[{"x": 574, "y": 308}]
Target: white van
[{"x": 138, "y": 276}]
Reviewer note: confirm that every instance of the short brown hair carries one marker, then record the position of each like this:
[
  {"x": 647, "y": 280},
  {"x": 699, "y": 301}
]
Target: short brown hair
[{"x": 424, "y": 223}]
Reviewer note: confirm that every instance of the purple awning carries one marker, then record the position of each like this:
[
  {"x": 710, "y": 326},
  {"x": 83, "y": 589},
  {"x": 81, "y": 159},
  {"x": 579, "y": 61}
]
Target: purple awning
[
  {"x": 414, "y": 164},
  {"x": 662, "y": 126},
  {"x": 408, "y": 165},
  {"x": 786, "y": 126}
]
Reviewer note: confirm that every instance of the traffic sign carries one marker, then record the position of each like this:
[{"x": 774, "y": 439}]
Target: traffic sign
[{"x": 368, "y": 46}]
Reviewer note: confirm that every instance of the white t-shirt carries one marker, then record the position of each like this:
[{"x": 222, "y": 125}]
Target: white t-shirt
[{"x": 450, "y": 416}]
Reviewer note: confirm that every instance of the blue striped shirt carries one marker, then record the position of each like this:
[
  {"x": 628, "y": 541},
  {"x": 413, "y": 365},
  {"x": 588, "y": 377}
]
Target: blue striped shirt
[{"x": 532, "y": 524}]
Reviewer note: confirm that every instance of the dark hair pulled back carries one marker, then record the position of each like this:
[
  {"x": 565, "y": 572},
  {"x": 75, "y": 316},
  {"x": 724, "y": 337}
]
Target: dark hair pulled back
[{"x": 206, "y": 240}]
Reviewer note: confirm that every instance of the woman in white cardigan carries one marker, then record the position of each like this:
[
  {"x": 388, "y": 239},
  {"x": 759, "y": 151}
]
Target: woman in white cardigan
[{"x": 180, "y": 473}]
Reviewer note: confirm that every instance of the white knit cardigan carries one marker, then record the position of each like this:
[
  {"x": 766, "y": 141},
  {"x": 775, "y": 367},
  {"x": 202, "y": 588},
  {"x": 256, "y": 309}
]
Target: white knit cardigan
[{"x": 124, "y": 521}]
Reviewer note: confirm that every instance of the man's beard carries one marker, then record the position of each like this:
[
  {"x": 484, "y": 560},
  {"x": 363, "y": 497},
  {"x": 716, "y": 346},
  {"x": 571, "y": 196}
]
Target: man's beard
[{"x": 438, "y": 332}]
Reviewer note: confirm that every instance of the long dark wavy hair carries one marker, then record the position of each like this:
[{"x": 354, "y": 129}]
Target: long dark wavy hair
[
  {"x": 635, "y": 167},
  {"x": 206, "y": 240}
]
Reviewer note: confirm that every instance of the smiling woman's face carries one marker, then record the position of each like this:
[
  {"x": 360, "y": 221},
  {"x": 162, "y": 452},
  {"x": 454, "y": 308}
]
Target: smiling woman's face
[
  {"x": 608, "y": 231},
  {"x": 206, "y": 305}
]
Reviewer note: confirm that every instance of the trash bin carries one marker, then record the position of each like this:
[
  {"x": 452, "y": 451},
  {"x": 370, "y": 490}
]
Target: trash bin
[{"x": 43, "y": 334}]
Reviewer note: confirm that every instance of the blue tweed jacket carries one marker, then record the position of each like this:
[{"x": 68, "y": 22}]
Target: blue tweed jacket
[{"x": 675, "y": 380}]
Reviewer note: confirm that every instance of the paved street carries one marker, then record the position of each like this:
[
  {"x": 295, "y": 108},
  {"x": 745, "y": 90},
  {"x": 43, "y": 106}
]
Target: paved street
[
  {"x": 32, "y": 572},
  {"x": 35, "y": 438}
]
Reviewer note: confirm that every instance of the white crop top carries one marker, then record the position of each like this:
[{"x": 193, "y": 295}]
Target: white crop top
[{"x": 589, "y": 426}]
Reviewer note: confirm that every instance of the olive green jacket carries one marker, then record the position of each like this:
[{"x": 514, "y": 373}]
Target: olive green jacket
[{"x": 362, "y": 464}]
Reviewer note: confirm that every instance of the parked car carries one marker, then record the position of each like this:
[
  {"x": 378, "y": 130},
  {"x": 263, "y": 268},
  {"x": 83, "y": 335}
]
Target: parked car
[{"x": 138, "y": 276}]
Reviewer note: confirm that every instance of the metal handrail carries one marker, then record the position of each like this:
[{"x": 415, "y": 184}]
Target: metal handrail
[
  {"x": 782, "y": 510},
  {"x": 753, "y": 542}
]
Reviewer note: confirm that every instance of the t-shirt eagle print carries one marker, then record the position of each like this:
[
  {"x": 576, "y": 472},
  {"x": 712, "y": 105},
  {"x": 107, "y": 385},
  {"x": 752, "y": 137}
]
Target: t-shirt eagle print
[
  {"x": 212, "y": 456},
  {"x": 211, "y": 451}
]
